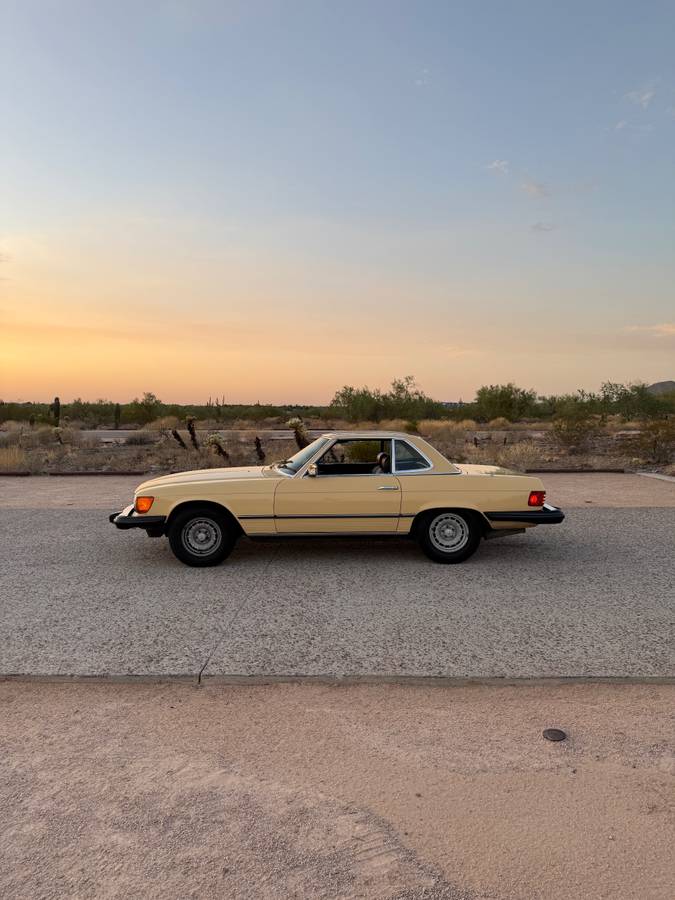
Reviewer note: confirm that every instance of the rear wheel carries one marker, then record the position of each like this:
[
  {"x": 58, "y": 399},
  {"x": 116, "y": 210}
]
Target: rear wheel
[
  {"x": 449, "y": 536},
  {"x": 201, "y": 537}
]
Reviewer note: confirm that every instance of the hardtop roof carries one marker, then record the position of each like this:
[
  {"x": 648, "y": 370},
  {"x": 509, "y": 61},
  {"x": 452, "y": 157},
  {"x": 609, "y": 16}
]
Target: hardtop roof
[{"x": 368, "y": 434}]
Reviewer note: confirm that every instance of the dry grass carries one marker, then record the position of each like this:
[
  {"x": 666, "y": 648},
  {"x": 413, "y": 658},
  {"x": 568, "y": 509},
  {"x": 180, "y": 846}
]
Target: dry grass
[
  {"x": 12, "y": 459},
  {"x": 446, "y": 430},
  {"x": 519, "y": 457}
]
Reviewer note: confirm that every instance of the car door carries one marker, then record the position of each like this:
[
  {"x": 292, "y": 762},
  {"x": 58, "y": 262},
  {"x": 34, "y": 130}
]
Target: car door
[{"x": 338, "y": 504}]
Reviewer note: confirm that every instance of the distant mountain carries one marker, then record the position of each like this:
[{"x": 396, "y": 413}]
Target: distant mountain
[{"x": 662, "y": 387}]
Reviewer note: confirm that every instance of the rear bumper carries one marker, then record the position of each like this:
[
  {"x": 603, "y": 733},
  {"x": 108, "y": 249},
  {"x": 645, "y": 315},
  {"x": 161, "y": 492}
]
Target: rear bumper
[
  {"x": 547, "y": 515},
  {"x": 128, "y": 519}
]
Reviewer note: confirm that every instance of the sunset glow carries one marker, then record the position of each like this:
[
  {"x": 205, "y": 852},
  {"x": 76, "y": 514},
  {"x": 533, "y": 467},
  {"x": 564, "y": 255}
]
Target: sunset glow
[{"x": 204, "y": 199}]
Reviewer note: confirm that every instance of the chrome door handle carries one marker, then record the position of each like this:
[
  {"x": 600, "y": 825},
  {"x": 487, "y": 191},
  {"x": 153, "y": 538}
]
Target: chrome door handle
[{"x": 388, "y": 487}]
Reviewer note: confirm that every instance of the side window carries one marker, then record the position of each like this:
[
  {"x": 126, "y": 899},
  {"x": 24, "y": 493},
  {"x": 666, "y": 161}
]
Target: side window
[
  {"x": 356, "y": 457},
  {"x": 408, "y": 459}
]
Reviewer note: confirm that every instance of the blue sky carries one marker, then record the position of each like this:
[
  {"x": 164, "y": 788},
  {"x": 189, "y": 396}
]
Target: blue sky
[{"x": 468, "y": 191}]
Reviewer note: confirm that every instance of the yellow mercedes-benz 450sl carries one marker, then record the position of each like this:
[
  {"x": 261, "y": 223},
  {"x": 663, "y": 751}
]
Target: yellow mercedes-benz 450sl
[{"x": 344, "y": 483}]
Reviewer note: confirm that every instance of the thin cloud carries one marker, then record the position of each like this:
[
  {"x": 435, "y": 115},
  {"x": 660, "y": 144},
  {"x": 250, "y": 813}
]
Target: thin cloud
[
  {"x": 423, "y": 78},
  {"x": 620, "y": 125},
  {"x": 662, "y": 330},
  {"x": 543, "y": 227},
  {"x": 643, "y": 96},
  {"x": 499, "y": 165},
  {"x": 534, "y": 188}
]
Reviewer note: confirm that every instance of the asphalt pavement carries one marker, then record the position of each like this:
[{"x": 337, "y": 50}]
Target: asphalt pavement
[{"x": 591, "y": 597}]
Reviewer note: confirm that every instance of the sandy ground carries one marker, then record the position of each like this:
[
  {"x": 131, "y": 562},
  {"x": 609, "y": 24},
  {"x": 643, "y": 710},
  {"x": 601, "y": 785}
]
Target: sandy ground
[
  {"x": 113, "y": 492},
  {"x": 309, "y": 791}
]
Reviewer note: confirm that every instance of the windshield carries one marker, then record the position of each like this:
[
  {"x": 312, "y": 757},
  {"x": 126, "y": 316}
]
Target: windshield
[{"x": 298, "y": 460}]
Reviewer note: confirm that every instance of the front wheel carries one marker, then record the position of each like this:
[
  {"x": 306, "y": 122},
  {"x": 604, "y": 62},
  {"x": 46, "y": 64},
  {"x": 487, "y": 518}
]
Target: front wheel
[
  {"x": 448, "y": 536},
  {"x": 201, "y": 537}
]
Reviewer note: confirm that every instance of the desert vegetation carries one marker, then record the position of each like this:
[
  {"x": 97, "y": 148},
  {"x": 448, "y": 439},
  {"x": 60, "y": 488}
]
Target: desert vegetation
[{"x": 618, "y": 426}]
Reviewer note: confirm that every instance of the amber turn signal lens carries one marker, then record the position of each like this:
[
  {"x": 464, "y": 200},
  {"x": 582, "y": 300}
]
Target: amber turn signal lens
[
  {"x": 536, "y": 498},
  {"x": 143, "y": 504}
]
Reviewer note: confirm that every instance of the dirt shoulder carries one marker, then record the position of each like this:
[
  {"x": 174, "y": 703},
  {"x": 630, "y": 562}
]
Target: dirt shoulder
[
  {"x": 336, "y": 792},
  {"x": 113, "y": 492}
]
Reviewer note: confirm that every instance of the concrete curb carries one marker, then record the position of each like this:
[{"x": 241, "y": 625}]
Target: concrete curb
[
  {"x": 657, "y": 475},
  {"x": 575, "y": 471},
  {"x": 340, "y": 680}
]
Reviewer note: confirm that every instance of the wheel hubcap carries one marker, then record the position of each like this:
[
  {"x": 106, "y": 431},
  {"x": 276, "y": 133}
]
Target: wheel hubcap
[
  {"x": 448, "y": 533},
  {"x": 202, "y": 536}
]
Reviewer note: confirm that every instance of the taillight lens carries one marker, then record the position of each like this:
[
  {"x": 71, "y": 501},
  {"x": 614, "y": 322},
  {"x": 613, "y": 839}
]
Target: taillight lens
[
  {"x": 143, "y": 504},
  {"x": 536, "y": 498}
]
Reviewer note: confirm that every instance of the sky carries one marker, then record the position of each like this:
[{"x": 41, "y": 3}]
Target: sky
[{"x": 270, "y": 200}]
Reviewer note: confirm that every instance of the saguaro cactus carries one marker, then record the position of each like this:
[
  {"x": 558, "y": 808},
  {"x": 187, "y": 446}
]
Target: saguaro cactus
[
  {"x": 55, "y": 410},
  {"x": 118, "y": 415}
]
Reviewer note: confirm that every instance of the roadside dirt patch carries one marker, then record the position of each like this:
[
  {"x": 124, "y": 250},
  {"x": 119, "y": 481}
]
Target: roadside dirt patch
[
  {"x": 607, "y": 490},
  {"x": 336, "y": 792}
]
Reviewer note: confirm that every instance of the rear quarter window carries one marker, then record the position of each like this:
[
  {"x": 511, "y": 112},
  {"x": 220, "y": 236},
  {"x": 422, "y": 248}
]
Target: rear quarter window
[{"x": 408, "y": 459}]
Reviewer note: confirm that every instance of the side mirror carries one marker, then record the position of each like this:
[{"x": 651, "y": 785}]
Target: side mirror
[{"x": 312, "y": 471}]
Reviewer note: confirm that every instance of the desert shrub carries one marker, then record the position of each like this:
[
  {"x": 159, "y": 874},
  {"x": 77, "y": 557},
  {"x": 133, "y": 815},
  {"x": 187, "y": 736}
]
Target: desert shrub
[
  {"x": 69, "y": 435},
  {"x": 412, "y": 427},
  {"x": 504, "y": 401},
  {"x": 299, "y": 431},
  {"x": 500, "y": 423},
  {"x": 363, "y": 451},
  {"x": 141, "y": 438},
  {"x": 387, "y": 424},
  {"x": 404, "y": 399},
  {"x": 163, "y": 423},
  {"x": 574, "y": 426},
  {"x": 656, "y": 440},
  {"x": 519, "y": 456},
  {"x": 12, "y": 459},
  {"x": 10, "y": 438},
  {"x": 443, "y": 429}
]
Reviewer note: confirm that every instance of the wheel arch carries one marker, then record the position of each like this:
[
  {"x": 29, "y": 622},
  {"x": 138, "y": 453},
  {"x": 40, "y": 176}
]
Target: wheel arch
[
  {"x": 434, "y": 510},
  {"x": 204, "y": 504}
]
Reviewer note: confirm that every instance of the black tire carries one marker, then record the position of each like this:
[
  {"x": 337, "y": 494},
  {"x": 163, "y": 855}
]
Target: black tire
[
  {"x": 448, "y": 535},
  {"x": 201, "y": 525}
]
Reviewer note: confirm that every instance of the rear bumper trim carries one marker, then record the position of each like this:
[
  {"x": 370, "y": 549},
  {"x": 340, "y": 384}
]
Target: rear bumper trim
[{"x": 547, "y": 515}]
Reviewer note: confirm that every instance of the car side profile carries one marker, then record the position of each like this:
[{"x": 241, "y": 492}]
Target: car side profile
[{"x": 362, "y": 483}]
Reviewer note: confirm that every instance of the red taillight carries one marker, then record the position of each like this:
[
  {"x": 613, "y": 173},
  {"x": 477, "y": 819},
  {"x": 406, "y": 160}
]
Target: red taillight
[{"x": 536, "y": 498}]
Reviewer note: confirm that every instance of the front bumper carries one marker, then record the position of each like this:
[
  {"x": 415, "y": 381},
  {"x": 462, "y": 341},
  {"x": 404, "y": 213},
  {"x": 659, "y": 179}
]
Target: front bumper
[
  {"x": 547, "y": 515},
  {"x": 129, "y": 519}
]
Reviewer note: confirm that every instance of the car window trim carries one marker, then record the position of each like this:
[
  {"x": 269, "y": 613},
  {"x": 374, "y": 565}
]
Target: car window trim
[
  {"x": 302, "y": 472},
  {"x": 396, "y": 471}
]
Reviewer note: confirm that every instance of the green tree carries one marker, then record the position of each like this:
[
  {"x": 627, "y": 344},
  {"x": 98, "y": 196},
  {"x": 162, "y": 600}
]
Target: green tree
[
  {"x": 142, "y": 411},
  {"x": 504, "y": 400}
]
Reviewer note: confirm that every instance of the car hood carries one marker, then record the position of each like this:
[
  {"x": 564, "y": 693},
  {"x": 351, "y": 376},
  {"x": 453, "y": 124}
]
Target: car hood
[{"x": 236, "y": 473}]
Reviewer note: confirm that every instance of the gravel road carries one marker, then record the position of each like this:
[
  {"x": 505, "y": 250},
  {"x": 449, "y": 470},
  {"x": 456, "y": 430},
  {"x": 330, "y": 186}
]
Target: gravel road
[{"x": 593, "y": 597}]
